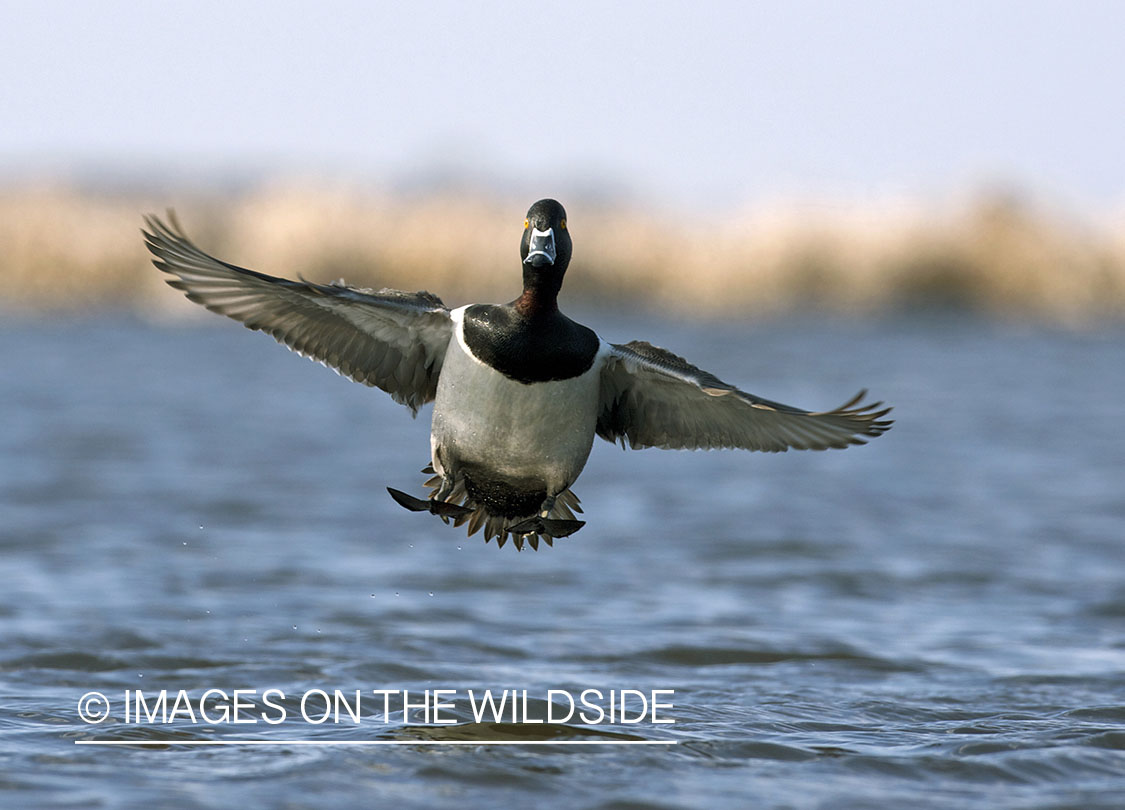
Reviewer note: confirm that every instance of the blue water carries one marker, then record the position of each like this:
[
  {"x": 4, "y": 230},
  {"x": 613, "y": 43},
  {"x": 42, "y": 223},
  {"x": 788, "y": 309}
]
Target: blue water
[{"x": 934, "y": 620}]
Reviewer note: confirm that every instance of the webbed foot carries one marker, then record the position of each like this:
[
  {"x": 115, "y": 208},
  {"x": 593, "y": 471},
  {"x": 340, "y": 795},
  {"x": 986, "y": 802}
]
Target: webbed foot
[
  {"x": 442, "y": 509},
  {"x": 546, "y": 527}
]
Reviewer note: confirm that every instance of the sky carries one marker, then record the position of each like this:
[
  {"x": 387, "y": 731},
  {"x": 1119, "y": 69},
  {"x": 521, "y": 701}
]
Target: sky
[{"x": 700, "y": 104}]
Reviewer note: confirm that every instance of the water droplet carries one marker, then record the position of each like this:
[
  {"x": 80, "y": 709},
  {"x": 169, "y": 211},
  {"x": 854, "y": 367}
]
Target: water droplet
[
  {"x": 294, "y": 627},
  {"x": 396, "y": 593},
  {"x": 431, "y": 593},
  {"x": 185, "y": 542},
  {"x": 372, "y": 596},
  {"x": 208, "y": 613},
  {"x": 140, "y": 674}
]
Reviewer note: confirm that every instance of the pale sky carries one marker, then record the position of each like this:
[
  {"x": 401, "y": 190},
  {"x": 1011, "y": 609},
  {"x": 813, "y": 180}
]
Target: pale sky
[{"x": 700, "y": 103}]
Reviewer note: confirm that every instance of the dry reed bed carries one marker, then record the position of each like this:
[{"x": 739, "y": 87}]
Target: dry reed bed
[{"x": 63, "y": 250}]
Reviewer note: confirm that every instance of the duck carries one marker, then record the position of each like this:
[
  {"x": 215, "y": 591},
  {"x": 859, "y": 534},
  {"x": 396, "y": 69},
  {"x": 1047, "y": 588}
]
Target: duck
[{"x": 519, "y": 390}]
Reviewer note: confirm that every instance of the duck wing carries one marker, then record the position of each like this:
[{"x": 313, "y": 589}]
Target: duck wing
[
  {"x": 652, "y": 398},
  {"x": 387, "y": 338}
]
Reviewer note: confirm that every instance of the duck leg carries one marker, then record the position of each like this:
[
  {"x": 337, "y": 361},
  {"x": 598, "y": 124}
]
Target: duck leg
[
  {"x": 546, "y": 507},
  {"x": 549, "y": 528}
]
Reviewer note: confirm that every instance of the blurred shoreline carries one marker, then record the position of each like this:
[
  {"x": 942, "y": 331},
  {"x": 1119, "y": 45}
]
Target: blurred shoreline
[{"x": 65, "y": 249}]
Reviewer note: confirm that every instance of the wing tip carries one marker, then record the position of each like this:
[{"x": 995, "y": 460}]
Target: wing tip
[{"x": 865, "y": 420}]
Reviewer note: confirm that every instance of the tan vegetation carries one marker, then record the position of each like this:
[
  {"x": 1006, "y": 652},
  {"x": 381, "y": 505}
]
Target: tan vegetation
[{"x": 62, "y": 250}]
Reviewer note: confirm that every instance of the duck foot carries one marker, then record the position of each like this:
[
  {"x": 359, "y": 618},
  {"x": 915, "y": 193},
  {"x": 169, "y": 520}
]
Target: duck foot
[
  {"x": 440, "y": 508},
  {"x": 546, "y": 527}
]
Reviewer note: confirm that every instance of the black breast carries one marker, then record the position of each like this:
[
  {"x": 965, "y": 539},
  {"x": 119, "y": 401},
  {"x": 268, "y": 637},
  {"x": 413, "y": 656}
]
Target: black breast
[{"x": 536, "y": 349}]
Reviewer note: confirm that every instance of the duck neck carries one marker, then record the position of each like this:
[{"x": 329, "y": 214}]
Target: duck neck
[{"x": 540, "y": 294}]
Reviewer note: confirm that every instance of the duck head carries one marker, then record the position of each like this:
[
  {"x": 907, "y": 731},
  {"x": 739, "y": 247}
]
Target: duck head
[{"x": 545, "y": 249}]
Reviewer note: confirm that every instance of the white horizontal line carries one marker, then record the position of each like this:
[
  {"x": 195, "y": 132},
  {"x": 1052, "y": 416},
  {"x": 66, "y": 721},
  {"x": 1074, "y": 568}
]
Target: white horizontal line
[{"x": 376, "y": 742}]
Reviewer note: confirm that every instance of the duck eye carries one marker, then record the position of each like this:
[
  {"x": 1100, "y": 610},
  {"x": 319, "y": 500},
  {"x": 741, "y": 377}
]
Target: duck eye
[
  {"x": 526, "y": 224},
  {"x": 562, "y": 224}
]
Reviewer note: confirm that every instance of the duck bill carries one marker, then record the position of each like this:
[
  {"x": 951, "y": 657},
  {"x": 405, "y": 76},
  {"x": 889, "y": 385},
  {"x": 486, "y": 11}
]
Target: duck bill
[{"x": 541, "y": 248}]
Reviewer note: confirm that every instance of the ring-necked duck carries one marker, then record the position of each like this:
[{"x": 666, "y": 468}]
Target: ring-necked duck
[{"x": 519, "y": 389}]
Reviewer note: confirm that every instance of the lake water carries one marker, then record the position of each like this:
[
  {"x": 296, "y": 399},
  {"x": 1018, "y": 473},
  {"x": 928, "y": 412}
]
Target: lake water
[{"x": 936, "y": 619}]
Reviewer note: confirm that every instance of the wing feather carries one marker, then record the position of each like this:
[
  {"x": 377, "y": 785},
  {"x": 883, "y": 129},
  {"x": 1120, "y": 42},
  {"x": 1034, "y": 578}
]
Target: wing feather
[
  {"x": 652, "y": 398},
  {"x": 387, "y": 338}
]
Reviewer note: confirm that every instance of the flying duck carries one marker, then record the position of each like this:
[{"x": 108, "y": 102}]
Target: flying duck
[{"x": 519, "y": 389}]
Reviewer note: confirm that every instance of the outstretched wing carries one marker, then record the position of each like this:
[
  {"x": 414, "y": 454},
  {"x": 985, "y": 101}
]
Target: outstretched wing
[
  {"x": 652, "y": 398},
  {"x": 387, "y": 338}
]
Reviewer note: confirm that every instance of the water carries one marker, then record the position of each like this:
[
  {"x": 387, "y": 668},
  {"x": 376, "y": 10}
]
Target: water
[{"x": 934, "y": 620}]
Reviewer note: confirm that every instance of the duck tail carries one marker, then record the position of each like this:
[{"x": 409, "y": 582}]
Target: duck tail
[{"x": 498, "y": 527}]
